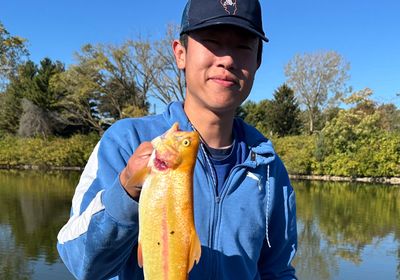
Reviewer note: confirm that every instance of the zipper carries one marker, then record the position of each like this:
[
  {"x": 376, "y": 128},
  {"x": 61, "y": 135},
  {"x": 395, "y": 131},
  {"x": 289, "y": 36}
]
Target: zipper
[
  {"x": 216, "y": 197},
  {"x": 215, "y": 210}
]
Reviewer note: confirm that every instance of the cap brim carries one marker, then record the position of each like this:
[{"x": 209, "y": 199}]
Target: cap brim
[{"x": 226, "y": 21}]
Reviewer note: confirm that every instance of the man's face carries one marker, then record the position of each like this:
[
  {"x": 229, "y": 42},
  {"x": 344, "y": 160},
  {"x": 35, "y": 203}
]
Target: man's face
[{"x": 220, "y": 63}]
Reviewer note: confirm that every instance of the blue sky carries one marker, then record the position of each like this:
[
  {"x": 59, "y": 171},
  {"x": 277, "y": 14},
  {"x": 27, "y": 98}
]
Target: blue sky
[{"x": 365, "y": 32}]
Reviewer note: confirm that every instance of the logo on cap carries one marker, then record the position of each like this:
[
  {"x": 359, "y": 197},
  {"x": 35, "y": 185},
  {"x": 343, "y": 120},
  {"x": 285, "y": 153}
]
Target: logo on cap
[{"x": 230, "y": 6}]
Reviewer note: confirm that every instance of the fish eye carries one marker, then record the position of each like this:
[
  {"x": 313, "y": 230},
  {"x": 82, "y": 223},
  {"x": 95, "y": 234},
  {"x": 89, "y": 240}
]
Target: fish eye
[{"x": 186, "y": 142}]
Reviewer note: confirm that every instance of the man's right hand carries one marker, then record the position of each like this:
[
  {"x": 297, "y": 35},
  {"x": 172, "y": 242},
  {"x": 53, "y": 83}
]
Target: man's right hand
[{"x": 133, "y": 175}]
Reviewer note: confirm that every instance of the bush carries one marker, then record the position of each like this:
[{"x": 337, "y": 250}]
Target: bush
[
  {"x": 297, "y": 152},
  {"x": 46, "y": 153},
  {"x": 375, "y": 156}
]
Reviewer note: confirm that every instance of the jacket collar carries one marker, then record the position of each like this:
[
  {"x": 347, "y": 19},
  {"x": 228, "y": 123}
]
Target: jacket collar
[
  {"x": 175, "y": 113},
  {"x": 261, "y": 149}
]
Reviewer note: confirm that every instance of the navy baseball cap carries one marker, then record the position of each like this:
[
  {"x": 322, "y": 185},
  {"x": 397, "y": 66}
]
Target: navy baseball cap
[{"x": 204, "y": 13}]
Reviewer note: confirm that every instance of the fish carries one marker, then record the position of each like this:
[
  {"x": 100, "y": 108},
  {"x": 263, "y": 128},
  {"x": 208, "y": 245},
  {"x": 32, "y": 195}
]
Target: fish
[{"x": 168, "y": 244}]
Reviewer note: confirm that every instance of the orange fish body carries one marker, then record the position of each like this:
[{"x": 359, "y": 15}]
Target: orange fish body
[{"x": 168, "y": 242}]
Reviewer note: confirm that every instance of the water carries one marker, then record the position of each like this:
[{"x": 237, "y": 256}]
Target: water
[
  {"x": 346, "y": 231},
  {"x": 33, "y": 207}
]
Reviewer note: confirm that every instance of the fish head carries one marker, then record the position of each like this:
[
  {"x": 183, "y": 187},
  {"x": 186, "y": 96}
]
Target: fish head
[{"x": 175, "y": 149}]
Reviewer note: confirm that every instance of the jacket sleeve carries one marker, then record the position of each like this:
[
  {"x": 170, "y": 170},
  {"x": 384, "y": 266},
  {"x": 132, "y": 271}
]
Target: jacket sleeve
[
  {"x": 103, "y": 227},
  {"x": 280, "y": 245}
]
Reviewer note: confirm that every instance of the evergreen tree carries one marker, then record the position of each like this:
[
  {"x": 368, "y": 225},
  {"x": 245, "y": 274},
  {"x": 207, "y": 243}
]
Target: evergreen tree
[
  {"x": 40, "y": 92},
  {"x": 256, "y": 114},
  {"x": 11, "y": 108},
  {"x": 33, "y": 84},
  {"x": 285, "y": 112},
  {"x": 10, "y": 111}
]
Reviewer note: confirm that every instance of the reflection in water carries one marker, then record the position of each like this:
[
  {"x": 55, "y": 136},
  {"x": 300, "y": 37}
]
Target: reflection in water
[
  {"x": 343, "y": 226},
  {"x": 346, "y": 231},
  {"x": 33, "y": 207}
]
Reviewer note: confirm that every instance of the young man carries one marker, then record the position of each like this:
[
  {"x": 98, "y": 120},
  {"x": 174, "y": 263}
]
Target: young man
[{"x": 243, "y": 200}]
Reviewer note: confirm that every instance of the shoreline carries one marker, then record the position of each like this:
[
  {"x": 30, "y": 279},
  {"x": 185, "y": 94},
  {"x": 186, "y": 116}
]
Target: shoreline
[
  {"x": 328, "y": 178},
  {"x": 40, "y": 167}
]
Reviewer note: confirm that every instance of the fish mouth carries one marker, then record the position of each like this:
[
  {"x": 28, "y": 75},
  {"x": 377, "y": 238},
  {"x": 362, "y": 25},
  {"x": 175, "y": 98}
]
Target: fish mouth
[
  {"x": 165, "y": 159},
  {"x": 160, "y": 164}
]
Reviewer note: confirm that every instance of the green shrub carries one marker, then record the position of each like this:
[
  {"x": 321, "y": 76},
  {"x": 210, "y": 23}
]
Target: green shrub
[
  {"x": 51, "y": 152},
  {"x": 297, "y": 152},
  {"x": 375, "y": 156}
]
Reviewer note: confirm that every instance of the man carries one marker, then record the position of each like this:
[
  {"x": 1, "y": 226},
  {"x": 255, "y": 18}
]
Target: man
[{"x": 243, "y": 201}]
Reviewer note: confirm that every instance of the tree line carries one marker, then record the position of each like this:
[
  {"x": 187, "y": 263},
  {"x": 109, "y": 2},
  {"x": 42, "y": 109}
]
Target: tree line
[
  {"x": 107, "y": 82},
  {"x": 319, "y": 124}
]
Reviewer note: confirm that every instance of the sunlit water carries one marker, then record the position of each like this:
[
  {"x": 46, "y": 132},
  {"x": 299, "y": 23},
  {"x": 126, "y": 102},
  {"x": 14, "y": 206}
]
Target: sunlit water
[{"x": 346, "y": 231}]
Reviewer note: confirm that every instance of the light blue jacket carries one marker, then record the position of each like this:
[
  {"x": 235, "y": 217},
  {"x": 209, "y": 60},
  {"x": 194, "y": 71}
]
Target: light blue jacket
[{"x": 248, "y": 231}]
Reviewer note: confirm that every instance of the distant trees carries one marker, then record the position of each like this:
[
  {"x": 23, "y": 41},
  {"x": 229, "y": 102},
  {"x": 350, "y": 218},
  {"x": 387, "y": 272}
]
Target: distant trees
[
  {"x": 108, "y": 82},
  {"x": 318, "y": 80}
]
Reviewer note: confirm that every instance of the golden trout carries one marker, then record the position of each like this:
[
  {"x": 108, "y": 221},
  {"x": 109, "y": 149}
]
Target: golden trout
[{"x": 168, "y": 243}]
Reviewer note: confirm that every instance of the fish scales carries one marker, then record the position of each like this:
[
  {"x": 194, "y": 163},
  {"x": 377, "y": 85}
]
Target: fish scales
[{"x": 168, "y": 242}]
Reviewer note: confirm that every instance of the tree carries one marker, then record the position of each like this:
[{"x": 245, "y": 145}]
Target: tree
[
  {"x": 116, "y": 81},
  {"x": 256, "y": 114},
  {"x": 10, "y": 112},
  {"x": 359, "y": 122},
  {"x": 32, "y": 84},
  {"x": 169, "y": 80},
  {"x": 355, "y": 143},
  {"x": 80, "y": 87},
  {"x": 110, "y": 82},
  {"x": 105, "y": 85},
  {"x": 318, "y": 80},
  {"x": 284, "y": 116},
  {"x": 12, "y": 52},
  {"x": 11, "y": 108},
  {"x": 39, "y": 92},
  {"x": 390, "y": 117}
]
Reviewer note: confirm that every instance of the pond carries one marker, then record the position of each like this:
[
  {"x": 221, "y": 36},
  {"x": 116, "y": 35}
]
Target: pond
[{"x": 346, "y": 231}]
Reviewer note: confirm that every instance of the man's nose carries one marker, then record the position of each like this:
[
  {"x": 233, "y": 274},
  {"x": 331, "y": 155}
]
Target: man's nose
[{"x": 226, "y": 59}]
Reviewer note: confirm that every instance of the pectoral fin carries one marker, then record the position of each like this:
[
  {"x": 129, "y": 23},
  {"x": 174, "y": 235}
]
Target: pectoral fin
[
  {"x": 139, "y": 255},
  {"x": 195, "y": 250},
  {"x": 138, "y": 178}
]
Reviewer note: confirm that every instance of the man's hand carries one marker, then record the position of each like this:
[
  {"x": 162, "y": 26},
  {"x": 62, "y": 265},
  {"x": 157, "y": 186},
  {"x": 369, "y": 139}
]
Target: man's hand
[{"x": 133, "y": 175}]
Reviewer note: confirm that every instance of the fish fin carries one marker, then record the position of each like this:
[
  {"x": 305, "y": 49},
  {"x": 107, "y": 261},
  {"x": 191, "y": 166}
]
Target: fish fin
[
  {"x": 138, "y": 178},
  {"x": 139, "y": 255},
  {"x": 195, "y": 250}
]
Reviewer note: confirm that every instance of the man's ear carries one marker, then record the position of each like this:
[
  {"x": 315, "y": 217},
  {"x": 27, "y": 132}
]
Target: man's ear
[{"x": 180, "y": 54}]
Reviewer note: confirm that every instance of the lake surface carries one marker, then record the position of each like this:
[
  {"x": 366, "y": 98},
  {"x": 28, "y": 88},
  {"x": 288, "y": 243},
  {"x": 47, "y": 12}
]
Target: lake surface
[{"x": 346, "y": 231}]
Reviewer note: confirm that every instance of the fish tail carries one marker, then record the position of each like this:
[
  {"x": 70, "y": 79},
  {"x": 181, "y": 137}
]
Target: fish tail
[{"x": 195, "y": 250}]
